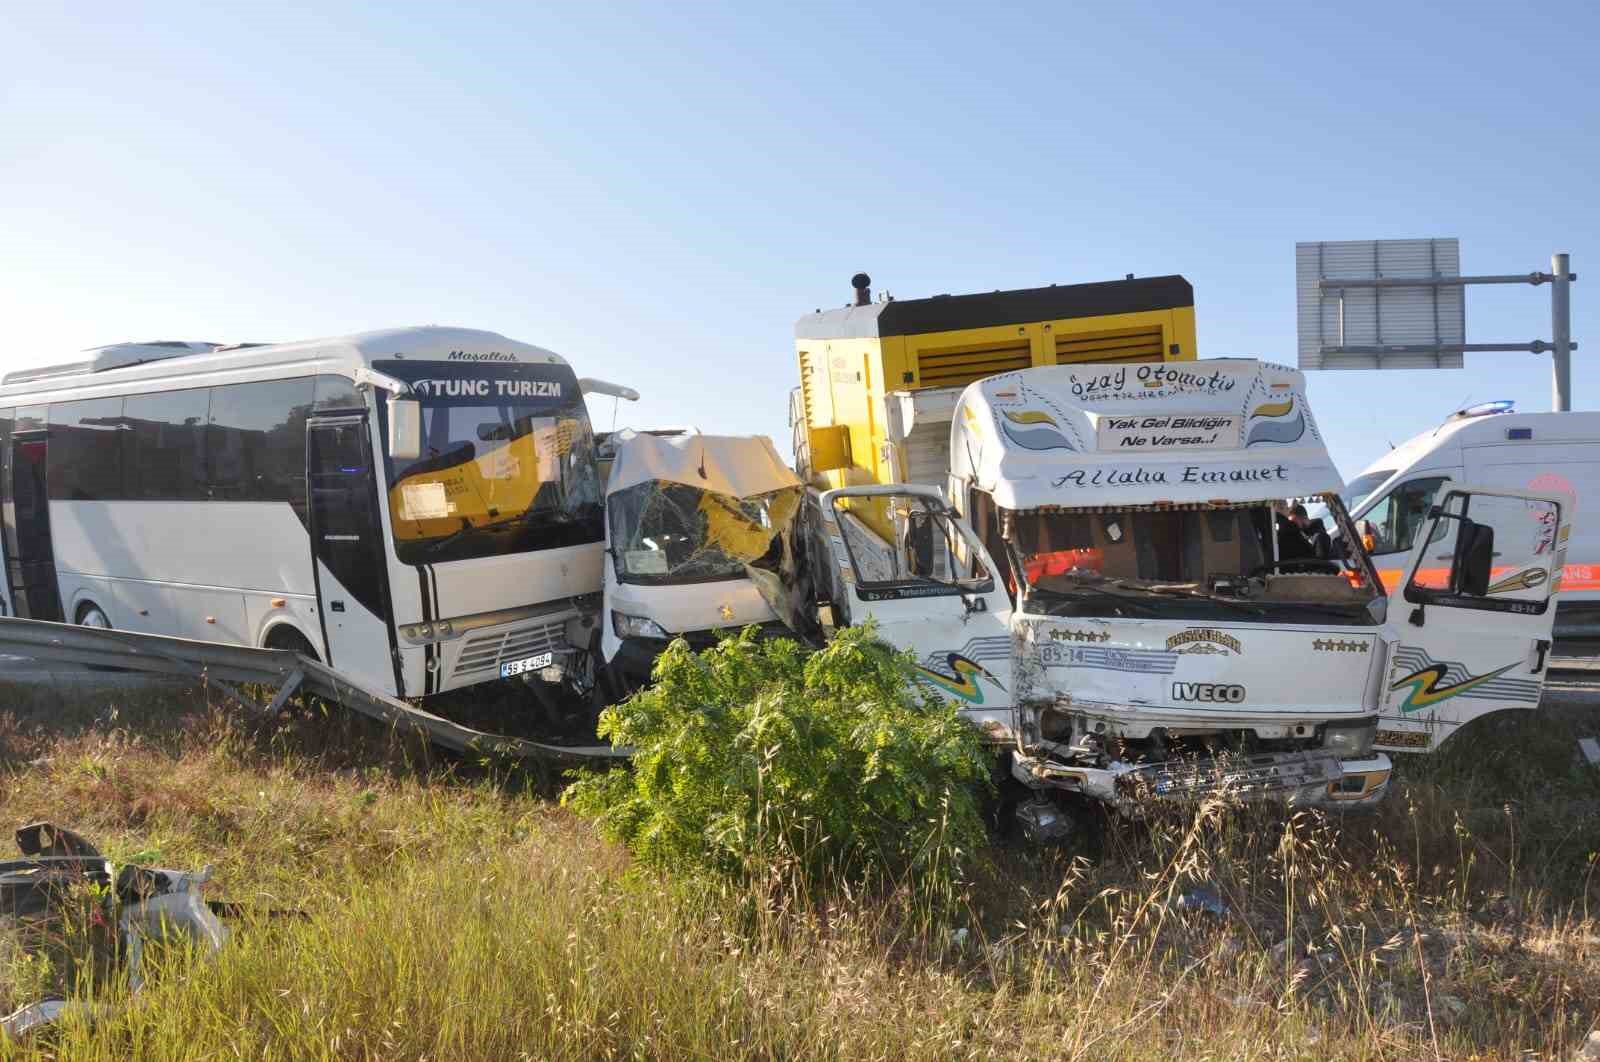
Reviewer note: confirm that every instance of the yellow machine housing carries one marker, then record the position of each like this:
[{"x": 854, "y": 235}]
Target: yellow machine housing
[{"x": 860, "y": 365}]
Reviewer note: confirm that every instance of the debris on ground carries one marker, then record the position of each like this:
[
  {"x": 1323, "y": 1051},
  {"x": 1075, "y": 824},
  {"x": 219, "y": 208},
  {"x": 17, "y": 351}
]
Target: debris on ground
[
  {"x": 1202, "y": 899},
  {"x": 143, "y": 903}
]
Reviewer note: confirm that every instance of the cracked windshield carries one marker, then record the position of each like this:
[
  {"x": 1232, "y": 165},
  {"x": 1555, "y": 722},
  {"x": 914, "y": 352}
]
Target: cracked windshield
[
  {"x": 674, "y": 533},
  {"x": 507, "y": 463},
  {"x": 1236, "y": 561}
]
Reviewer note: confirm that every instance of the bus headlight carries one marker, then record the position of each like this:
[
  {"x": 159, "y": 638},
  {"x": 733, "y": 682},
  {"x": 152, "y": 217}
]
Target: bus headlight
[
  {"x": 1350, "y": 740},
  {"x": 636, "y": 626}
]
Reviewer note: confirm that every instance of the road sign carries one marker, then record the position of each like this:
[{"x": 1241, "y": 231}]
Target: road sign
[
  {"x": 1377, "y": 320},
  {"x": 1401, "y": 304}
]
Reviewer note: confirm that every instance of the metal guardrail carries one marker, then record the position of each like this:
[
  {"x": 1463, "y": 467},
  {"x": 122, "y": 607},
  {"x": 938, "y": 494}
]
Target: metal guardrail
[{"x": 289, "y": 672}]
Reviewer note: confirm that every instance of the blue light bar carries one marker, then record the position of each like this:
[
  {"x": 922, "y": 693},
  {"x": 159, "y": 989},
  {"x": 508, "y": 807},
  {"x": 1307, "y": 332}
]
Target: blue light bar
[{"x": 1485, "y": 409}]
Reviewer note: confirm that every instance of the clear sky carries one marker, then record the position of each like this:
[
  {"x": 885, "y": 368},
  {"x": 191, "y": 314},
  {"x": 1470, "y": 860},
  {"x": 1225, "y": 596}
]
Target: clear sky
[{"x": 659, "y": 191}]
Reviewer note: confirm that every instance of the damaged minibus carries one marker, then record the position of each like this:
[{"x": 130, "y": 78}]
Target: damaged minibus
[
  {"x": 1105, "y": 585},
  {"x": 698, "y": 538}
]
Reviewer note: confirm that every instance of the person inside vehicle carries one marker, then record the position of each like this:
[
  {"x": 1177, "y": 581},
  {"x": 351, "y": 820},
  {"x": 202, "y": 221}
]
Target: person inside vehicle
[
  {"x": 1313, "y": 531},
  {"x": 1292, "y": 543}
]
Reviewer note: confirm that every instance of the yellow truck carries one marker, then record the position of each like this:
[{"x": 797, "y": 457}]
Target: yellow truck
[{"x": 879, "y": 380}]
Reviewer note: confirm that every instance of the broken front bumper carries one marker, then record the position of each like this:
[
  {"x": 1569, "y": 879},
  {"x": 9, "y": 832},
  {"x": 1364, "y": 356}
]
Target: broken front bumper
[{"x": 1301, "y": 779}]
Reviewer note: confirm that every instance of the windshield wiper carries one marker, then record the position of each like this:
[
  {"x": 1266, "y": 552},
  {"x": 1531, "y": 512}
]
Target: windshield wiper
[
  {"x": 1201, "y": 595},
  {"x": 462, "y": 532}
]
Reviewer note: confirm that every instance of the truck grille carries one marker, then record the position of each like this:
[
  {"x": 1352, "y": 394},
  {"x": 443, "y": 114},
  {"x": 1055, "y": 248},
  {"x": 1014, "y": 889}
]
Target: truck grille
[{"x": 482, "y": 654}]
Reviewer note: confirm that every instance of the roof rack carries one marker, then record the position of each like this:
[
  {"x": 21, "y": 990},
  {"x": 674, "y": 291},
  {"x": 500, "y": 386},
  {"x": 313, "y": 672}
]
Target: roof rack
[{"x": 114, "y": 356}]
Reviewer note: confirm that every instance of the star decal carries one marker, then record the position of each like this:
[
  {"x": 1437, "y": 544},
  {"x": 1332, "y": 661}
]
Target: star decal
[
  {"x": 1059, "y": 635},
  {"x": 1339, "y": 645}
]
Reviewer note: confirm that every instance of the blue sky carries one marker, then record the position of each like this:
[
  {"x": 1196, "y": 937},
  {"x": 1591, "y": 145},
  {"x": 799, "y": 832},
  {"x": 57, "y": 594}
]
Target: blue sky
[{"x": 658, "y": 192}]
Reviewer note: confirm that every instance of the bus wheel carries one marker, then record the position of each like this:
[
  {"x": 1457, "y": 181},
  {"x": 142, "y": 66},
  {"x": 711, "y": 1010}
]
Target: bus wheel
[
  {"x": 292, "y": 640},
  {"x": 92, "y": 615}
]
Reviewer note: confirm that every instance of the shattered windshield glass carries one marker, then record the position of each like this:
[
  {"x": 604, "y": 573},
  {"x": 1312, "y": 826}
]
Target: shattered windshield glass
[
  {"x": 674, "y": 533},
  {"x": 1190, "y": 563}
]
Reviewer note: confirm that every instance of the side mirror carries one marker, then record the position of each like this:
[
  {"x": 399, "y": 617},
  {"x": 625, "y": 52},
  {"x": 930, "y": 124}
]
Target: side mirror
[
  {"x": 1474, "y": 557},
  {"x": 405, "y": 428}
]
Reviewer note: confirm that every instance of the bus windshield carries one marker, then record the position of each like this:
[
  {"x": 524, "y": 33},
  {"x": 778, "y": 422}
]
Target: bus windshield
[{"x": 507, "y": 462}]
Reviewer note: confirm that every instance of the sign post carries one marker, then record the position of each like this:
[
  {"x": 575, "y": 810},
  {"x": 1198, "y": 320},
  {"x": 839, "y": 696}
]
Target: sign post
[
  {"x": 1400, "y": 304},
  {"x": 1561, "y": 330}
]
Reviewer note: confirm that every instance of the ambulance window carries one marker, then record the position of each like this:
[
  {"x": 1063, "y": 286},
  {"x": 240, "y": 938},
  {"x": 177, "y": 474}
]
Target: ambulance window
[{"x": 1394, "y": 521}]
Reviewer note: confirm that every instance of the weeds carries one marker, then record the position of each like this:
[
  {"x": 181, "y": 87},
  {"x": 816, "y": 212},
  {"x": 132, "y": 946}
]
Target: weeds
[
  {"x": 454, "y": 913},
  {"x": 758, "y": 760}
]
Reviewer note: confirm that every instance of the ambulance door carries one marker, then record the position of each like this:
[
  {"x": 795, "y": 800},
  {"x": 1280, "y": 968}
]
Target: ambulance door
[
  {"x": 906, "y": 562},
  {"x": 1471, "y": 624}
]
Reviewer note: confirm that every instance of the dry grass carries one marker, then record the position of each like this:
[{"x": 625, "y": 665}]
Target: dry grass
[{"x": 454, "y": 912}]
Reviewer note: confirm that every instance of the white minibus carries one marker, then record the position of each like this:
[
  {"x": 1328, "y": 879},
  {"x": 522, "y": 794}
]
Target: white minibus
[{"x": 250, "y": 494}]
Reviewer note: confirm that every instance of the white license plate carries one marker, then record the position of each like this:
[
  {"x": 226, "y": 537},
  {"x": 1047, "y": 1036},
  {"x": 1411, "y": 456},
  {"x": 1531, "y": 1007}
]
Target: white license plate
[{"x": 527, "y": 663}]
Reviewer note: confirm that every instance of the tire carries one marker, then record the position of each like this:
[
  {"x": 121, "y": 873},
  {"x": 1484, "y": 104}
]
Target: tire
[
  {"x": 284, "y": 637},
  {"x": 92, "y": 615}
]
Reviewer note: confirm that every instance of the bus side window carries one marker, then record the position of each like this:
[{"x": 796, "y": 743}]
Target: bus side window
[
  {"x": 337, "y": 392},
  {"x": 257, "y": 444},
  {"x": 85, "y": 454},
  {"x": 165, "y": 445}
]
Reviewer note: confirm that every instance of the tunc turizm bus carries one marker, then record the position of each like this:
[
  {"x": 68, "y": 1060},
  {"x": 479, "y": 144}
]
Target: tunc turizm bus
[{"x": 419, "y": 508}]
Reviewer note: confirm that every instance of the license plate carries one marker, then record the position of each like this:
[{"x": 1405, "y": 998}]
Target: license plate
[{"x": 527, "y": 663}]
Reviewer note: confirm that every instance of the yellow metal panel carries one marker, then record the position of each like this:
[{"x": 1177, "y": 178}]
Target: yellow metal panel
[
  {"x": 1008, "y": 346},
  {"x": 899, "y": 370},
  {"x": 1183, "y": 334},
  {"x": 830, "y": 447},
  {"x": 1175, "y": 326}
]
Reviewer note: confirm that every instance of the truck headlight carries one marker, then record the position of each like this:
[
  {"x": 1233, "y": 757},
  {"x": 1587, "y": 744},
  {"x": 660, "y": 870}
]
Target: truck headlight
[
  {"x": 1350, "y": 740},
  {"x": 628, "y": 626}
]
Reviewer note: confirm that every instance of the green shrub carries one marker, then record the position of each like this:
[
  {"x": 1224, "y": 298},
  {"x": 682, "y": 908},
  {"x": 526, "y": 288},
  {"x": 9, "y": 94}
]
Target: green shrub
[{"x": 828, "y": 768}]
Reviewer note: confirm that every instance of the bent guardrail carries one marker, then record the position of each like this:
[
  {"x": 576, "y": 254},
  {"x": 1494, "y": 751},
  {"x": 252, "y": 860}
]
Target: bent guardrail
[{"x": 229, "y": 665}]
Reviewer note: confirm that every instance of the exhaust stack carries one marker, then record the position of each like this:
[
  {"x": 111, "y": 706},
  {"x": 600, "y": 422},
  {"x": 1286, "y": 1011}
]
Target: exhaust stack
[{"x": 863, "y": 285}]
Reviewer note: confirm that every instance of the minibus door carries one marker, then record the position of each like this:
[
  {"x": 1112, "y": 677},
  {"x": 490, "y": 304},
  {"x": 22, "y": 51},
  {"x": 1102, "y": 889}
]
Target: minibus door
[
  {"x": 30, "y": 559},
  {"x": 1472, "y": 621},
  {"x": 349, "y": 553}
]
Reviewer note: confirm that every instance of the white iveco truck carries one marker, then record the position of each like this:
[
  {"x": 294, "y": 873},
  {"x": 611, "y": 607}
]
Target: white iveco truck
[
  {"x": 1105, "y": 585},
  {"x": 418, "y": 507}
]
